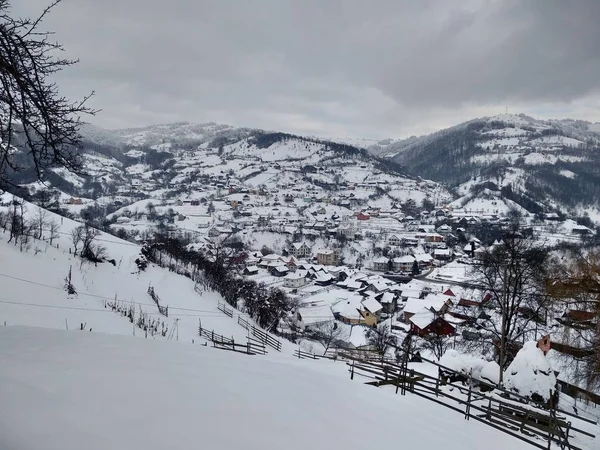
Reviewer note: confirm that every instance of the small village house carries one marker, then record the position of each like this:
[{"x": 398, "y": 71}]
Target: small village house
[{"x": 328, "y": 257}]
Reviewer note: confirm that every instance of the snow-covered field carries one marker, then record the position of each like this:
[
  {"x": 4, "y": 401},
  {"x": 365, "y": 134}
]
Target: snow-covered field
[{"x": 70, "y": 390}]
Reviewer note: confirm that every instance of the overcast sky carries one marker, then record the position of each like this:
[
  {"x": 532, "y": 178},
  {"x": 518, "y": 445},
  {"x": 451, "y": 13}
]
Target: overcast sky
[{"x": 343, "y": 68}]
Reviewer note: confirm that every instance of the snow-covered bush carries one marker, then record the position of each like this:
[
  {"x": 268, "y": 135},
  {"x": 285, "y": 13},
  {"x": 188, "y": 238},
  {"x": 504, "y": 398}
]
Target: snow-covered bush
[
  {"x": 530, "y": 374},
  {"x": 464, "y": 364},
  {"x": 491, "y": 373}
]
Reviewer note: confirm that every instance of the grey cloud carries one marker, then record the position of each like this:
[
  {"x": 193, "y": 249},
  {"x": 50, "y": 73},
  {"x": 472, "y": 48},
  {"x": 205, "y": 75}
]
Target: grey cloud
[{"x": 328, "y": 67}]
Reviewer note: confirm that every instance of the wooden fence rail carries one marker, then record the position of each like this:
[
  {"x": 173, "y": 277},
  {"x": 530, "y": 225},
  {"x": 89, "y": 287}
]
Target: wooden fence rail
[
  {"x": 528, "y": 423},
  {"x": 213, "y": 337},
  {"x": 225, "y": 309},
  {"x": 261, "y": 335},
  {"x": 164, "y": 310}
]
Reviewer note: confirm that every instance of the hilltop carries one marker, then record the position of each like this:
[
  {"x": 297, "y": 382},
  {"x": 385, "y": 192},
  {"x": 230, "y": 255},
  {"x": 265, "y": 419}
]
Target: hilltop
[{"x": 543, "y": 165}]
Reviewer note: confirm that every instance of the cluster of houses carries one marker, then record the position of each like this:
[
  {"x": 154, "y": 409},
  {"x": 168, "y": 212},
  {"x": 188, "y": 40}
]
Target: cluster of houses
[{"x": 366, "y": 299}]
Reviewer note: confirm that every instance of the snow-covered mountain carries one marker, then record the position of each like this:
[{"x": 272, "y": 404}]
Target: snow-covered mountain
[
  {"x": 177, "y": 158},
  {"x": 537, "y": 163}
]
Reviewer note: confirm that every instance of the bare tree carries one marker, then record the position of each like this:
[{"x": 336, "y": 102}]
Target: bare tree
[
  {"x": 514, "y": 275},
  {"x": 32, "y": 111},
  {"x": 381, "y": 339},
  {"x": 437, "y": 344},
  {"x": 53, "y": 228},
  {"x": 328, "y": 333},
  {"x": 77, "y": 237},
  {"x": 89, "y": 248},
  {"x": 40, "y": 221}
]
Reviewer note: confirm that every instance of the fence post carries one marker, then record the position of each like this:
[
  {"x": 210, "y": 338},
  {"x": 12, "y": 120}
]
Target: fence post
[
  {"x": 468, "y": 409},
  {"x": 352, "y": 371},
  {"x": 437, "y": 385}
]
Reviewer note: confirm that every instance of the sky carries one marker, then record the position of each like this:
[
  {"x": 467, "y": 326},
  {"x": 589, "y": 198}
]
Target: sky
[{"x": 331, "y": 68}]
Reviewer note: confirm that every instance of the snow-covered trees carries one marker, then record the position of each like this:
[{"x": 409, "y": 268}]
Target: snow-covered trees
[
  {"x": 381, "y": 339},
  {"x": 514, "y": 275},
  {"x": 530, "y": 374},
  {"x": 330, "y": 333}
]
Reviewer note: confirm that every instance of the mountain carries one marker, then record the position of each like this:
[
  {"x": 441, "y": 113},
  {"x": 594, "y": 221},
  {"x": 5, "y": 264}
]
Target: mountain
[
  {"x": 176, "y": 159},
  {"x": 542, "y": 165}
]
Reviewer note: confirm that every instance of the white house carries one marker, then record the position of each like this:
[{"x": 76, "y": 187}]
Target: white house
[
  {"x": 300, "y": 250},
  {"x": 380, "y": 264},
  {"x": 403, "y": 263},
  {"x": 294, "y": 280},
  {"x": 394, "y": 241}
]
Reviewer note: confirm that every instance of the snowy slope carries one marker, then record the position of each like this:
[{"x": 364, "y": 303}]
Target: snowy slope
[
  {"x": 33, "y": 291},
  {"x": 72, "y": 390}
]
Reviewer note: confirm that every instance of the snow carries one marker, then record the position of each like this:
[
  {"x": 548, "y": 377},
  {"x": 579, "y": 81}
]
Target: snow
[
  {"x": 530, "y": 373},
  {"x": 567, "y": 173},
  {"x": 465, "y": 364},
  {"x": 72, "y": 390},
  {"x": 491, "y": 372}
]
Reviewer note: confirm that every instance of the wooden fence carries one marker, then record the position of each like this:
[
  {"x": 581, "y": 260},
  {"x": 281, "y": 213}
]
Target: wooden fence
[
  {"x": 528, "y": 422},
  {"x": 537, "y": 424},
  {"x": 164, "y": 310},
  {"x": 213, "y": 337},
  {"x": 261, "y": 335},
  {"x": 251, "y": 347},
  {"x": 225, "y": 309}
]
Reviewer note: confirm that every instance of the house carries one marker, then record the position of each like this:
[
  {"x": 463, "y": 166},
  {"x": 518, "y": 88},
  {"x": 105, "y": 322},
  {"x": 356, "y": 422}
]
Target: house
[
  {"x": 328, "y": 257},
  {"x": 324, "y": 279},
  {"x": 434, "y": 302},
  {"x": 371, "y": 305},
  {"x": 403, "y": 263},
  {"x": 251, "y": 270},
  {"x": 394, "y": 241},
  {"x": 381, "y": 264},
  {"x": 300, "y": 250},
  {"x": 442, "y": 254},
  {"x": 279, "y": 271},
  {"x": 346, "y": 231},
  {"x": 74, "y": 201},
  {"x": 348, "y": 309},
  {"x": 426, "y": 322},
  {"x": 444, "y": 229},
  {"x": 424, "y": 259},
  {"x": 295, "y": 280},
  {"x": 313, "y": 316},
  {"x": 389, "y": 301}
]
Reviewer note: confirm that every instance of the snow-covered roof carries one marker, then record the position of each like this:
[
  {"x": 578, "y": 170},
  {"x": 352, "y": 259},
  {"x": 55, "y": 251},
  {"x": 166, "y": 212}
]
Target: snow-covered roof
[
  {"x": 348, "y": 308},
  {"x": 423, "y": 318},
  {"x": 316, "y": 314},
  {"x": 435, "y": 301},
  {"x": 293, "y": 276},
  {"x": 404, "y": 259},
  {"x": 372, "y": 305},
  {"x": 411, "y": 293},
  {"x": 386, "y": 297},
  {"x": 252, "y": 269}
]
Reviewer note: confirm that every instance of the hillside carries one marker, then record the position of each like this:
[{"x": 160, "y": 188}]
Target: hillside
[
  {"x": 33, "y": 288},
  {"x": 64, "y": 390},
  {"x": 541, "y": 165}
]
